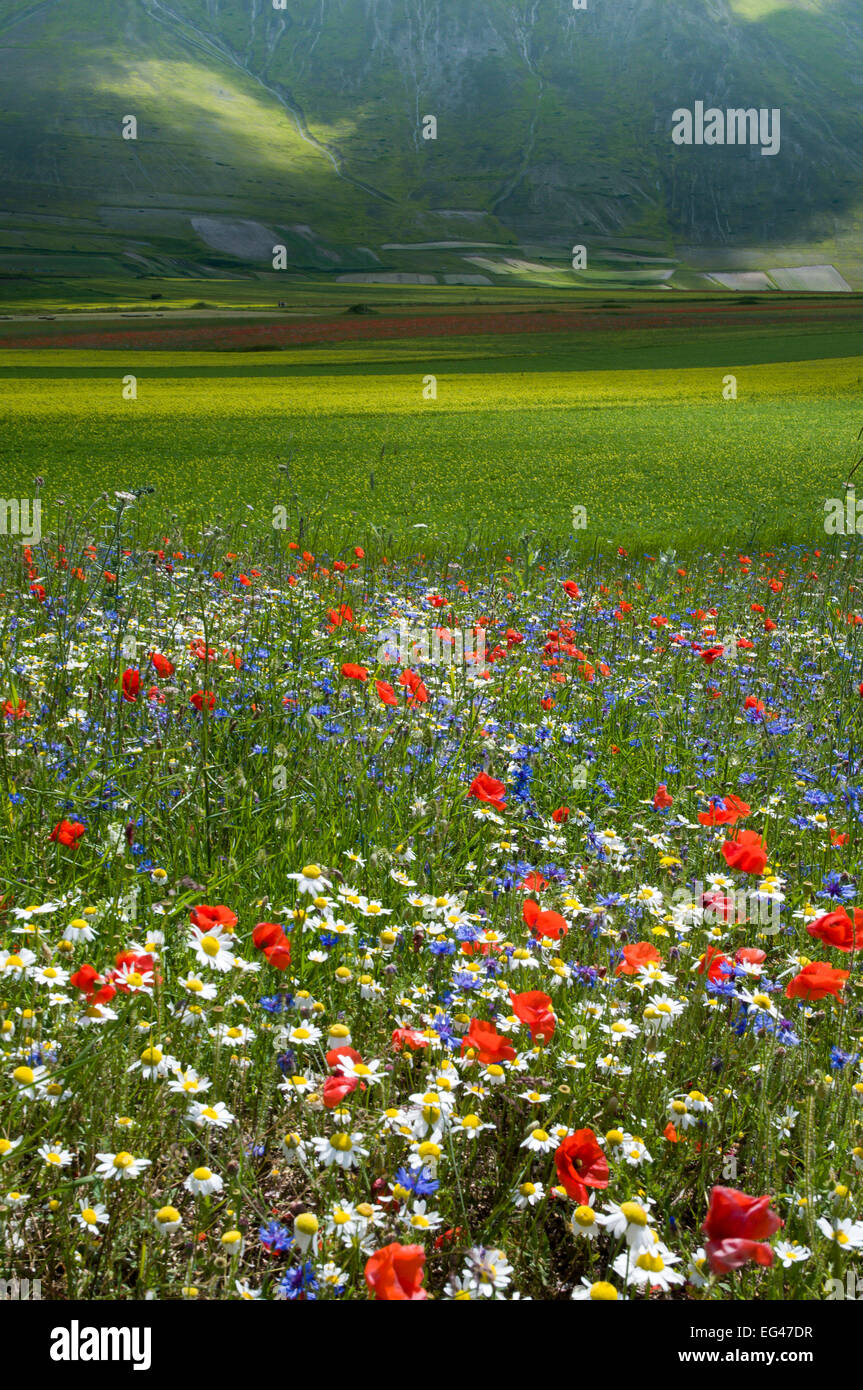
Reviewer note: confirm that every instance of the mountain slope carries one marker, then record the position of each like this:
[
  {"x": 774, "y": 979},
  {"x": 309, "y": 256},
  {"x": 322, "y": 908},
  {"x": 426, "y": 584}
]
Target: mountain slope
[{"x": 303, "y": 127}]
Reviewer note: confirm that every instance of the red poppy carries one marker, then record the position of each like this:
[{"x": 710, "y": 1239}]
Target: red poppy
[
  {"x": 710, "y": 654},
  {"x": 662, "y": 799},
  {"x": 713, "y": 961},
  {"x": 750, "y": 955},
  {"x": 837, "y": 929},
  {"x": 486, "y": 788},
  {"x": 571, "y": 588},
  {"x": 205, "y": 917},
  {"x": 534, "y": 1009},
  {"x": 484, "y": 1039},
  {"x": 161, "y": 664},
  {"x": 279, "y": 954},
  {"x": 131, "y": 683},
  {"x": 336, "y": 1088},
  {"x": 386, "y": 694},
  {"x": 340, "y": 615},
  {"x": 745, "y": 852},
  {"x": 418, "y": 693},
  {"x": 199, "y": 697},
  {"x": 581, "y": 1164},
  {"x": 85, "y": 979},
  {"x": 352, "y": 672},
  {"x": 410, "y": 1038},
  {"x": 639, "y": 953},
  {"x": 127, "y": 963},
  {"x": 534, "y": 882},
  {"x": 736, "y": 1228},
  {"x": 68, "y": 833},
  {"x": 549, "y": 924},
  {"x": 735, "y": 810},
  {"x": 337, "y": 1055},
  {"x": 816, "y": 981},
  {"x": 267, "y": 934},
  {"x": 270, "y": 938},
  {"x": 395, "y": 1273}
]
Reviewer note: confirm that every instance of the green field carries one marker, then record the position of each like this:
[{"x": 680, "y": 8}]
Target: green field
[{"x": 631, "y": 425}]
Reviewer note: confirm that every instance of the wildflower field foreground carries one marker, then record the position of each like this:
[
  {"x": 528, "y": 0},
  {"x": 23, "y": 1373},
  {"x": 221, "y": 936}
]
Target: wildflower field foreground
[{"x": 520, "y": 960}]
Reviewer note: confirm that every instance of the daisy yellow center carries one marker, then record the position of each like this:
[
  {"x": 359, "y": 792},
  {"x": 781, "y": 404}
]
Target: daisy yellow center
[
  {"x": 602, "y": 1292},
  {"x": 653, "y": 1263}
]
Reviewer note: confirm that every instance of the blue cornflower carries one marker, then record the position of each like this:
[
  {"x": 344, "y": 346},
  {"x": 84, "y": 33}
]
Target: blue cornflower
[
  {"x": 299, "y": 1282},
  {"x": 840, "y": 1059},
  {"x": 419, "y": 1181},
  {"x": 276, "y": 1003},
  {"x": 276, "y": 1238}
]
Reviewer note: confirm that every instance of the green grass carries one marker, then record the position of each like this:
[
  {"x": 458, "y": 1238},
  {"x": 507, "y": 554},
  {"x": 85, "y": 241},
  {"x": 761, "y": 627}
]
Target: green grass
[{"x": 510, "y": 444}]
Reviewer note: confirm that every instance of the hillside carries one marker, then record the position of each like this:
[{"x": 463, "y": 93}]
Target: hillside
[{"x": 304, "y": 128}]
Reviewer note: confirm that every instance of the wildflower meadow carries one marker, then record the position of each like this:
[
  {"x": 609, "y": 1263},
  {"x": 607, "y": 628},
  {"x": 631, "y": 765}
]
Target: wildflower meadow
[{"x": 516, "y": 958}]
